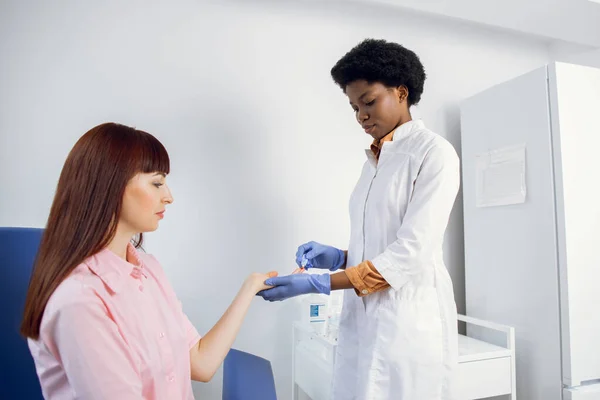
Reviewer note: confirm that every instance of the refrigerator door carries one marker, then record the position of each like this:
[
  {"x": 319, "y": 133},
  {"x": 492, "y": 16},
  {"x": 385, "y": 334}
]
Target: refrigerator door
[
  {"x": 511, "y": 266},
  {"x": 575, "y": 100}
]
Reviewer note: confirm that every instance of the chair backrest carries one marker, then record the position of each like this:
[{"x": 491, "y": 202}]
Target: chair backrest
[
  {"x": 18, "y": 248},
  {"x": 247, "y": 377}
]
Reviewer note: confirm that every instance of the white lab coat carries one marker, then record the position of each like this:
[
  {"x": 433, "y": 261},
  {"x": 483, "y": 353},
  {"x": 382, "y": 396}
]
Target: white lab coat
[{"x": 401, "y": 343}]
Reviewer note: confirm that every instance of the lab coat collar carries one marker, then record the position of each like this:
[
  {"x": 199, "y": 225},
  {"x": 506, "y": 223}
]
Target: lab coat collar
[
  {"x": 407, "y": 128},
  {"x": 403, "y": 130}
]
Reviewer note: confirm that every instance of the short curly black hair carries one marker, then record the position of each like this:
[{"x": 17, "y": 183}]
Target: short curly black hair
[{"x": 381, "y": 61}]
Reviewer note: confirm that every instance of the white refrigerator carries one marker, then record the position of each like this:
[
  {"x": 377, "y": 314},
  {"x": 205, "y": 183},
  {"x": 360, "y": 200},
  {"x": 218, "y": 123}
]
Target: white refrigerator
[{"x": 531, "y": 181}]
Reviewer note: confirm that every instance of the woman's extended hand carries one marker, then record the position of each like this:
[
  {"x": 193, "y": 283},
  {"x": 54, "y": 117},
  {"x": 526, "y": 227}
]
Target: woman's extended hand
[{"x": 256, "y": 281}]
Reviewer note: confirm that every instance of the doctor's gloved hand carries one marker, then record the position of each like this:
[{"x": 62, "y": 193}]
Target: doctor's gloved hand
[
  {"x": 295, "y": 285},
  {"x": 320, "y": 256}
]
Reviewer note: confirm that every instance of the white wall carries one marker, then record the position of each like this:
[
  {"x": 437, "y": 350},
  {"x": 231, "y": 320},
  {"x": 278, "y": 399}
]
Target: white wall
[{"x": 264, "y": 147}]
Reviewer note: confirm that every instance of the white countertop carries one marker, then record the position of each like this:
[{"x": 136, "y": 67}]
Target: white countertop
[{"x": 469, "y": 349}]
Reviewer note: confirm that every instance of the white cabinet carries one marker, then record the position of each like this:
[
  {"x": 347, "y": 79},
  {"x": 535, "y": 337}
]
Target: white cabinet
[
  {"x": 313, "y": 357},
  {"x": 484, "y": 369}
]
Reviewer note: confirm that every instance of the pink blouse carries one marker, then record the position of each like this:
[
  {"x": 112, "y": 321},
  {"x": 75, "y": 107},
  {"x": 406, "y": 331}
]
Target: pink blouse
[{"x": 115, "y": 330}]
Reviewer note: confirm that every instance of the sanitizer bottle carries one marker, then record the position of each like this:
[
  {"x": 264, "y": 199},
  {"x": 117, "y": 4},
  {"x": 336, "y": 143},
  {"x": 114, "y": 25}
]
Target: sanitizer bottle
[{"x": 316, "y": 310}]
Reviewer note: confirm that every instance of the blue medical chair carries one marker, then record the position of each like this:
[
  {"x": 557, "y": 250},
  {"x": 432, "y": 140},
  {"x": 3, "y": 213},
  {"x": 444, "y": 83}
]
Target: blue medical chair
[
  {"x": 18, "y": 248},
  {"x": 247, "y": 377}
]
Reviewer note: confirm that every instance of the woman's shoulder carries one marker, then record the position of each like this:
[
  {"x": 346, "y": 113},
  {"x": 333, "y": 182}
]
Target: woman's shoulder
[
  {"x": 80, "y": 292},
  {"x": 80, "y": 284},
  {"x": 423, "y": 142},
  {"x": 426, "y": 139}
]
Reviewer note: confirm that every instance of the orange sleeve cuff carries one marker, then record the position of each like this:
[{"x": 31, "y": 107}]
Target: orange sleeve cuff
[{"x": 366, "y": 279}]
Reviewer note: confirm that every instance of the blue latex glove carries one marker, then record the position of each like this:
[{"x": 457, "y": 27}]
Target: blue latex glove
[
  {"x": 320, "y": 256},
  {"x": 295, "y": 285}
]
